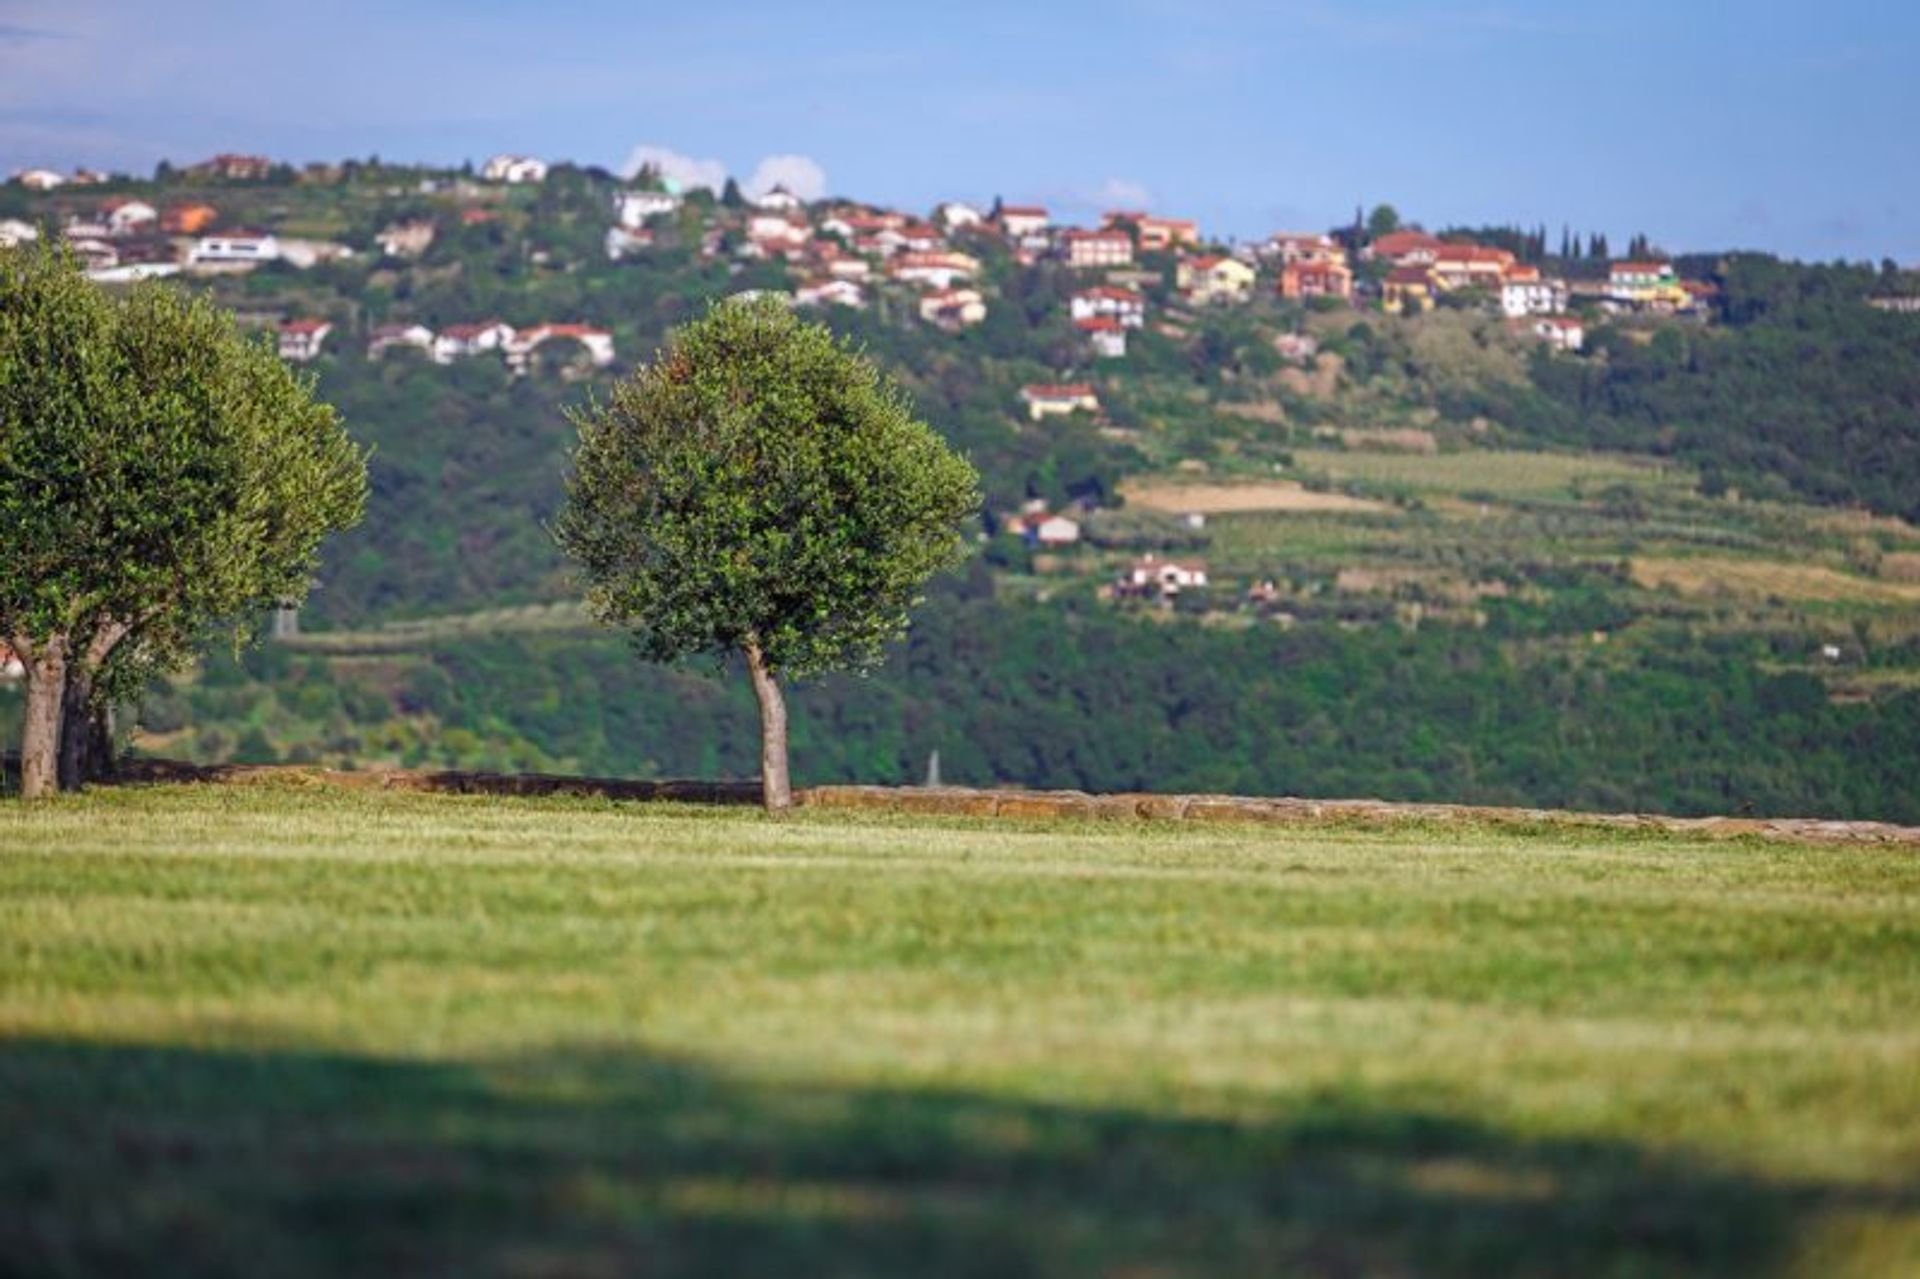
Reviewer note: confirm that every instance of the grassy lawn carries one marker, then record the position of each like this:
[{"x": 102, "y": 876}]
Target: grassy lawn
[{"x": 272, "y": 1032}]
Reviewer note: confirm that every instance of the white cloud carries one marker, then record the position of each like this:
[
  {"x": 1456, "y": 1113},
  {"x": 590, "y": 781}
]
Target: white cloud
[
  {"x": 797, "y": 173},
  {"x": 682, "y": 171},
  {"x": 1119, "y": 193}
]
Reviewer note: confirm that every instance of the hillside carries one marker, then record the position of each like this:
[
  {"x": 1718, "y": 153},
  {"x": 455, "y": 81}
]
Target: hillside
[
  {"x": 1443, "y": 558},
  {"x": 259, "y": 1029}
]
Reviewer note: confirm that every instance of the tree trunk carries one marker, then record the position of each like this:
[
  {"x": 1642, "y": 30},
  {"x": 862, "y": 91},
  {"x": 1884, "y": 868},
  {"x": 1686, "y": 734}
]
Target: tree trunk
[
  {"x": 76, "y": 728},
  {"x": 83, "y": 747},
  {"x": 40, "y": 731},
  {"x": 775, "y": 788}
]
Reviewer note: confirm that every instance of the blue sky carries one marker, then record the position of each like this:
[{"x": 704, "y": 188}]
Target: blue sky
[{"x": 1704, "y": 123}]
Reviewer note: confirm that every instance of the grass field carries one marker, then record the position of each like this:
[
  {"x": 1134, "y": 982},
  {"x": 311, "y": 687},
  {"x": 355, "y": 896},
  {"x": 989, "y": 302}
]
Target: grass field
[
  {"x": 263, "y": 1031},
  {"x": 1498, "y": 472}
]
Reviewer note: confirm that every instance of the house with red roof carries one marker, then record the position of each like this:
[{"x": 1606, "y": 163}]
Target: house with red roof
[
  {"x": 1407, "y": 288},
  {"x": 1045, "y": 400},
  {"x": 1561, "y": 332},
  {"x": 1150, "y": 577},
  {"x": 1316, "y": 278},
  {"x": 127, "y": 216},
  {"x": 1214, "y": 279},
  {"x": 300, "y": 340},
  {"x": 1106, "y": 335},
  {"x": 1085, "y": 250},
  {"x": 520, "y": 344},
  {"x": 953, "y": 309},
  {"x": 1404, "y": 248},
  {"x": 459, "y": 341},
  {"x": 936, "y": 270},
  {"x": 1017, "y": 221},
  {"x": 830, "y": 292},
  {"x": 1106, "y": 302}
]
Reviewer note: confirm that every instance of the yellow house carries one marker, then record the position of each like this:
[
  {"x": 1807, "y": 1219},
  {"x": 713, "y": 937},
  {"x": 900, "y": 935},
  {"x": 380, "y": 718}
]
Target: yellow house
[
  {"x": 1215, "y": 279},
  {"x": 1407, "y": 288},
  {"x": 1650, "y": 286}
]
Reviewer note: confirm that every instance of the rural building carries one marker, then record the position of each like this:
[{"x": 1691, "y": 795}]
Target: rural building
[
  {"x": 234, "y": 168},
  {"x": 954, "y": 215},
  {"x": 936, "y": 270},
  {"x": 1469, "y": 266},
  {"x": 13, "y": 231},
  {"x": 129, "y": 217},
  {"x": 1107, "y": 336},
  {"x": 1302, "y": 246},
  {"x": 1523, "y": 292},
  {"x": 1048, "y": 400},
  {"x": 459, "y": 341},
  {"x": 39, "y": 179},
  {"x": 1151, "y": 576},
  {"x": 831, "y": 292},
  {"x": 514, "y": 169},
  {"x": 1316, "y": 278},
  {"x": 1085, "y": 250},
  {"x": 633, "y": 208},
  {"x": 1106, "y": 302},
  {"x": 300, "y": 340},
  {"x": 953, "y": 309},
  {"x": 1561, "y": 332},
  {"x": 407, "y": 239},
  {"x": 1648, "y": 286},
  {"x": 1018, "y": 221},
  {"x": 1407, "y": 288},
  {"x": 780, "y": 200},
  {"x": 1404, "y": 248},
  {"x": 519, "y": 345},
  {"x": 1214, "y": 279},
  {"x": 188, "y": 219},
  {"x": 417, "y": 336},
  {"x": 1039, "y": 528},
  {"x": 235, "y": 248}
]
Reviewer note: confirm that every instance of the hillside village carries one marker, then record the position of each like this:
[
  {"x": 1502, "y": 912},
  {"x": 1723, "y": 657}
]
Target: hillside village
[
  {"x": 1134, "y": 273},
  {"x": 842, "y": 253}
]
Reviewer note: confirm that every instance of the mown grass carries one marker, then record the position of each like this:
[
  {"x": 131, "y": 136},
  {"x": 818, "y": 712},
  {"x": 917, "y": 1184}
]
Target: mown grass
[
  {"x": 1502, "y": 473},
  {"x": 261, "y": 1030}
]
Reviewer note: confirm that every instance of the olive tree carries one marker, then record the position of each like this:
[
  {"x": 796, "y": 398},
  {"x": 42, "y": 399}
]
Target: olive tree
[
  {"x": 762, "y": 489},
  {"x": 159, "y": 476}
]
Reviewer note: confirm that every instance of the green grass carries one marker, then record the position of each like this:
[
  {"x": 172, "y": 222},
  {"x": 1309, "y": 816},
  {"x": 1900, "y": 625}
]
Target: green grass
[
  {"x": 1502, "y": 473},
  {"x": 267, "y": 1031}
]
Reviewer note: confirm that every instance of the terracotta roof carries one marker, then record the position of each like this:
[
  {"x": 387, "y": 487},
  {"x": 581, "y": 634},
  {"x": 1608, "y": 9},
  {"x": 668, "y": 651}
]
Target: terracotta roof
[
  {"x": 1409, "y": 275},
  {"x": 304, "y": 326},
  {"x": 1110, "y": 293},
  {"x": 1099, "y": 324}
]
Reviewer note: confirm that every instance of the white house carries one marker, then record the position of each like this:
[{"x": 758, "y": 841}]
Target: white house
[
  {"x": 1049, "y": 400},
  {"x": 633, "y": 208},
  {"x": 833, "y": 292},
  {"x": 1124, "y": 305},
  {"x": 1085, "y": 249},
  {"x": 1151, "y": 575},
  {"x": 39, "y": 179},
  {"x": 417, "y": 336},
  {"x": 95, "y": 254},
  {"x": 780, "y": 200},
  {"x": 1215, "y": 279},
  {"x": 13, "y": 231},
  {"x": 953, "y": 215},
  {"x": 514, "y": 169},
  {"x": 235, "y": 248},
  {"x": 300, "y": 340},
  {"x": 1042, "y": 529},
  {"x": 1561, "y": 332},
  {"x": 936, "y": 270},
  {"x": 129, "y": 217},
  {"x": 778, "y": 230},
  {"x": 133, "y": 272},
  {"x": 458, "y": 341},
  {"x": 1106, "y": 335},
  {"x": 520, "y": 345},
  {"x": 621, "y": 242},
  {"x": 1526, "y": 293},
  {"x": 407, "y": 239},
  {"x": 1019, "y": 221},
  {"x": 953, "y": 309}
]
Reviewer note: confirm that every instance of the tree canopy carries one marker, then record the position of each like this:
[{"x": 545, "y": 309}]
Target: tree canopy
[
  {"x": 760, "y": 488},
  {"x": 159, "y": 474}
]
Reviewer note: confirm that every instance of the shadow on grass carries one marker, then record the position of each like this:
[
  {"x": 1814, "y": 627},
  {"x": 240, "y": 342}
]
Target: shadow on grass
[{"x": 173, "y": 1162}]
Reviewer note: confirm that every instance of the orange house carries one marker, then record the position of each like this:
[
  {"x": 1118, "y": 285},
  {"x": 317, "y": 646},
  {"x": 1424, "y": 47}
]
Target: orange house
[{"x": 188, "y": 219}]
